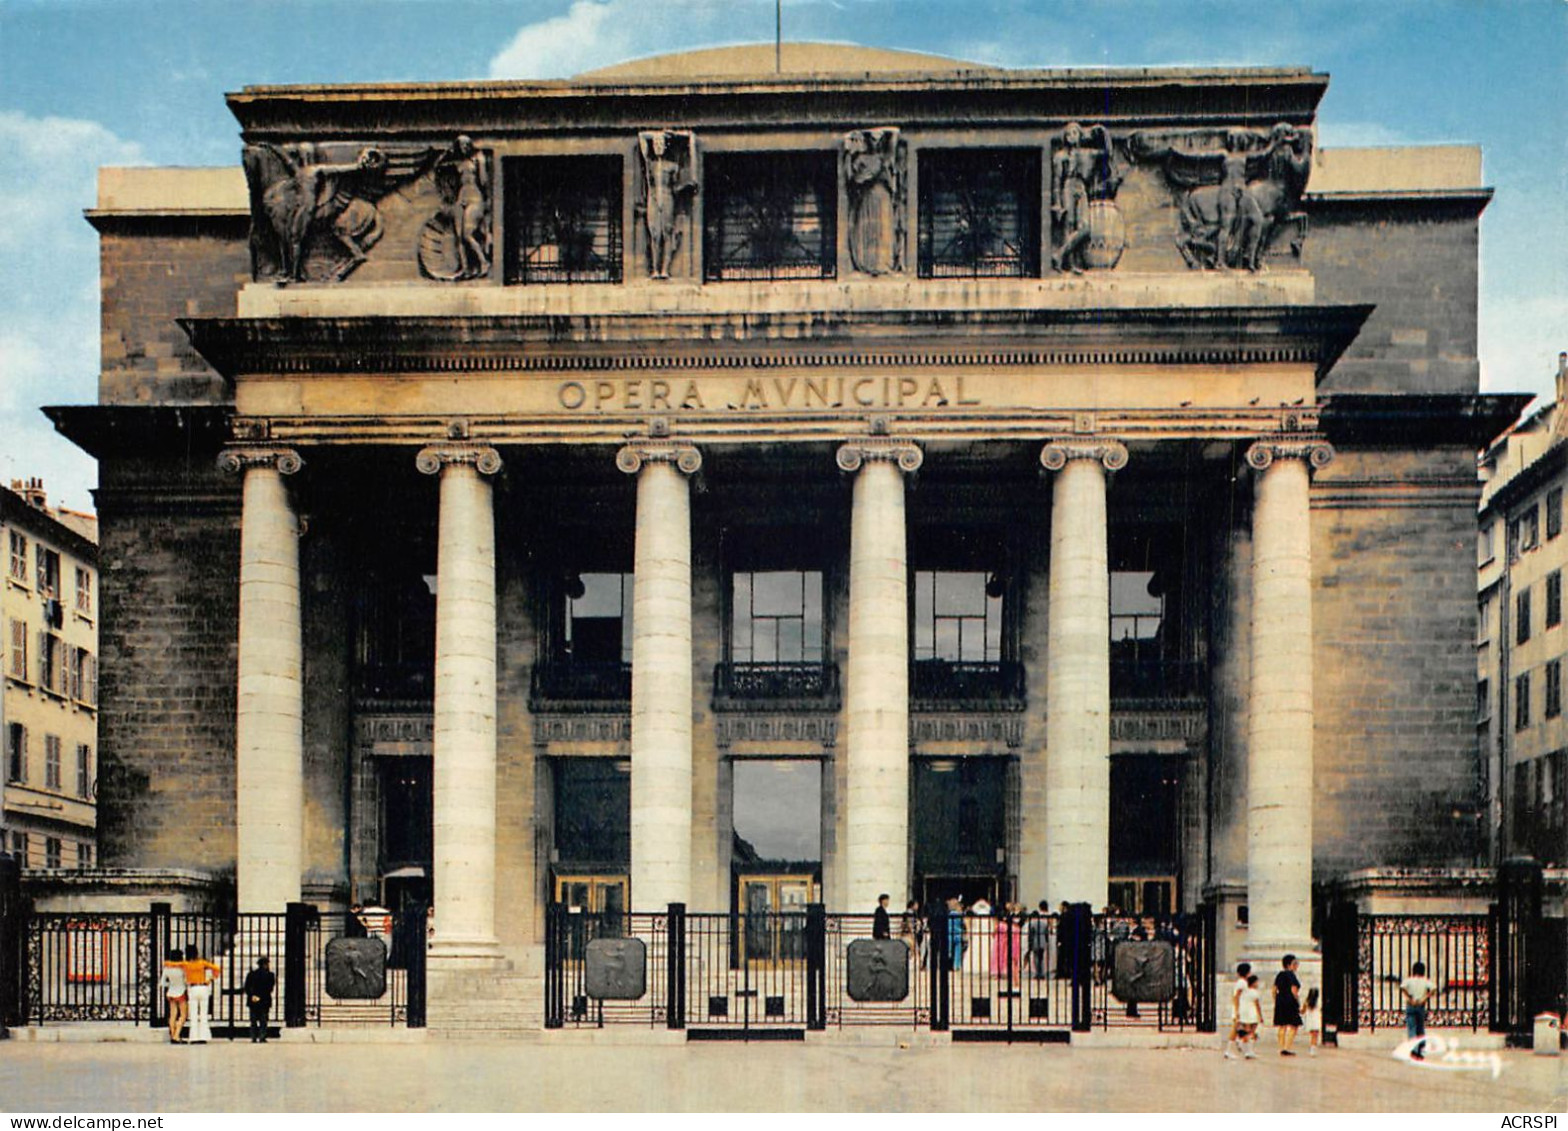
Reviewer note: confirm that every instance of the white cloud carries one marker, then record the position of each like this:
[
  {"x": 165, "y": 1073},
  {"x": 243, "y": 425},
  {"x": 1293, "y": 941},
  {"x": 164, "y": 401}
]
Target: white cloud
[
  {"x": 1520, "y": 341},
  {"x": 1358, "y": 135},
  {"x": 48, "y": 289}
]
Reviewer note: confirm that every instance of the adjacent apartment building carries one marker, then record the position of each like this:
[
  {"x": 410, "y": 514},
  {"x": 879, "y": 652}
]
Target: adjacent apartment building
[
  {"x": 49, "y": 606},
  {"x": 1521, "y": 642}
]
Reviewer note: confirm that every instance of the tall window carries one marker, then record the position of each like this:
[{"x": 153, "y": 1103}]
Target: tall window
[
  {"x": 84, "y": 591},
  {"x": 84, "y": 770},
  {"x": 958, "y": 617},
  {"x": 19, "y": 847},
  {"x": 15, "y": 752},
  {"x": 1530, "y": 525},
  {"x": 16, "y": 658},
  {"x": 1522, "y": 701},
  {"x": 1554, "y": 598},
  {"x": 54, "y": 852},
  {"x": 84, "y": 854},
  {"x": 1136, "y": 613},
  {"x": 1483, "y": 700},
  {"x": 599, "y": 618},
  {"x": 979, "y": 213},
  {"x": 1554, "y": 513},
  {"x": 1485, "y": 544},
  {"x": 48, "y": 572},
  {"x": 81, "y": 676},
  {"x": 18, "y": 567},
  {"x": 51, "y": 663},
  {"x": 770, "y": 216},
  {"x": 1554, "y": 688},
  {"x": 1522, "y": 617},
  {"x": 563, "y": 219},
  {"x": 777, "y": 617},
  {"x": 51, "y": 761}
]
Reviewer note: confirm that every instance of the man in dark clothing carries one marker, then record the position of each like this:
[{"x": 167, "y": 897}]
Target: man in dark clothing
[
  {"x": 259, "y": 984},
  {"x": 881, "y": 928}
]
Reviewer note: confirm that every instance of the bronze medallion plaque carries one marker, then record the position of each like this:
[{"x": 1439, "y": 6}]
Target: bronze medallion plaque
[
  {"x": 615, "y": 969},
  {"x": 1144, "y": 971},
  {"x": 356, "y": 968},
  {"x": 878, "y": 970}
]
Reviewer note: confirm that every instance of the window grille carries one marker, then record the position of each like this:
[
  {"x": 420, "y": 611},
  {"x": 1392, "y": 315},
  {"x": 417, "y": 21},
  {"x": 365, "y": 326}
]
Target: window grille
[
  {"x": 770, "y": 216},
  {"x": 563, "y": 219},
  {"x": 979, "y": 213}
]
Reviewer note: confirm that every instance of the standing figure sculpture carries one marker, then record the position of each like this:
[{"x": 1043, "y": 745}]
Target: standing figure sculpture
[
  {"x": 875, "y": 187},
  {"x": 469, "y": 207},
  {"x": 668, "y": 179},
  {"x": 301, "y": 190},
  {"x": 1083, "y": 174}
]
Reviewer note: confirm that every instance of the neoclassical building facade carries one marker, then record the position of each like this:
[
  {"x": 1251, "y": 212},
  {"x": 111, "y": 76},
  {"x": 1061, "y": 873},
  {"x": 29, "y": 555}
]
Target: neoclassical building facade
[{"x": 697, "y": 483}]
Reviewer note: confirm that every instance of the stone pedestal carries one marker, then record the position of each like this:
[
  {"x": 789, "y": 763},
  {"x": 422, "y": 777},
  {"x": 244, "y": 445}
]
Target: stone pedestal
[
  {"x": 1077, "y": 828},
  {"x": 268, "y": 732},
  {"x": 876, "y": 849},
  {"x": 661, "y": 673},
  {"x": 465, "y": 727},
  {"x": 1279, "y": 733}
]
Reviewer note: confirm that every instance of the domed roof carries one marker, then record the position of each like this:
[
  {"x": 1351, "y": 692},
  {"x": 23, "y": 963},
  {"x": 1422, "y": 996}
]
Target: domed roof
[{"x": 756, "y": 61}]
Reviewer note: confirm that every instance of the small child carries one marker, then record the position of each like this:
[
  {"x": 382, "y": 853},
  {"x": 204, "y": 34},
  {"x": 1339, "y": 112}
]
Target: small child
[
  {"x": 1249, "y": 1015},
  {"x": 1312, "y": 1021}
]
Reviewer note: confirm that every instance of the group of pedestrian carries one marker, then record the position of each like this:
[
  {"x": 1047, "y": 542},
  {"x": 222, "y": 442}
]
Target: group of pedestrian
[
  {"x": 187, "y": 983},
  {"x": 1292, "y": 1012}
]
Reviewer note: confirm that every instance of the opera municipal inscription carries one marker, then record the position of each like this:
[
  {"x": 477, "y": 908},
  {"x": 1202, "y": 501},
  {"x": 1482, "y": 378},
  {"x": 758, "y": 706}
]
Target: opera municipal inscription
[{"x": 632, "y": 395}]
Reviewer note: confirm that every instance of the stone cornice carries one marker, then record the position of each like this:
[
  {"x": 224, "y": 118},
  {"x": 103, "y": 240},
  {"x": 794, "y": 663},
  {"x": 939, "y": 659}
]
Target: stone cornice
[
  {"x": 483, "y": 458},
  {"x": 1314, "y": 450},
  {"x": 1111, "y": 454},
  {"x": 872, "y": 449},
  {"x": 285, "y": 461},
  {"x": 898, "y": 339}
]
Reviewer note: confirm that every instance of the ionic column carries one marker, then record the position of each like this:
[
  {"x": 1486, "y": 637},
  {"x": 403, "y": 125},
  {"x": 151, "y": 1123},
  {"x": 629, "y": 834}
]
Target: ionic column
[
  {"x": 1279, "y": 732},
  {"x": 876, "y": 849},
  {"x": 269, "y": 743},
  {"x": 1078, "y": 673},
  {"x": 464, "y": 770},
  {"x": 661, "y": 671}
]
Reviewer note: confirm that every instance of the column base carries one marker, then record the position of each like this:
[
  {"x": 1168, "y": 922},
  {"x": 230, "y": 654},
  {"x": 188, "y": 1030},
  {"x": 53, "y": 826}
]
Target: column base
[
  {"x": 1265, "y": 959},
  {"x": 463, "y": 955}
]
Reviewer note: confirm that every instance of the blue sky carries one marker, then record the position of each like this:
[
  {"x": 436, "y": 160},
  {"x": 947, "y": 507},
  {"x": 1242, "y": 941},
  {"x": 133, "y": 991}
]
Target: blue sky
[{"x": 85, "y": 83}]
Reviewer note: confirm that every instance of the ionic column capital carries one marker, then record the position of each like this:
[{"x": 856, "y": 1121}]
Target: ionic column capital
[
  {"x": 285, "y": 461},
  {"x": 483, "y": 458},
  {"x": 1112, "y": 454},
  {"x": 685, "y": 457},
  {"x": 905, "y": 454},
  {"x": 1316, "y": 452}
]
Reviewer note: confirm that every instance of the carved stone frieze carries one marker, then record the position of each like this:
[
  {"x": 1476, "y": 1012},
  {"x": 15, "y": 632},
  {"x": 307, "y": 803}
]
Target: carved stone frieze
[
  {"x": 669, "y": 177},
  {"x": 285, "y": 461},
  {"x": 1238, "y": 188},
  {"x": 1088, "y": 229},
  {"x": 455, "y": 243},
  {"x": 1317, "y": 452},
  {"x": 403, "y": 730},
  {"x": 975, "y": 730},
  {"x": 1111, "y": 454},
  {"x": 906, "y": 455},
  {"x": 1158, "y": 726},
  {"x": 484, "y": 459},
  {"x": 733, "y": 730},
  {"x": 874, "y": 180},
  {"x": 581, "y": 728}
]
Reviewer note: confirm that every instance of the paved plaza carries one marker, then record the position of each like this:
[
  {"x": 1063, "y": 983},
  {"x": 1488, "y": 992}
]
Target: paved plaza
[{"x": 572, "y": 1075}]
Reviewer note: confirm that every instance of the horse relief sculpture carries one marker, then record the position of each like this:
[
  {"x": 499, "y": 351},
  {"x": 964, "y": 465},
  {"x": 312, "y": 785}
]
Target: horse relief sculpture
[
  {"x": 873, "y": 163},
  {"x": 669, "y": 183},
  {"x": 1088, "y": 228},
  {"x": 1240, "y": 187}
]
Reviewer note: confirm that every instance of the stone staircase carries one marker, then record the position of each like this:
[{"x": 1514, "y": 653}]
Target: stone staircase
[{"x": 484, "y": 1005}]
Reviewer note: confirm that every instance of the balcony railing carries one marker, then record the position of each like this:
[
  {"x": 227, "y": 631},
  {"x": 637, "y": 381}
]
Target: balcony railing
[
  {"x": 946, "y": 685},
  {"x": 1151, "y": 677},
  {"x": 563, "y": 684},
  {"x": 739, "y": 687},
  {"x": 381, "y": 683}
]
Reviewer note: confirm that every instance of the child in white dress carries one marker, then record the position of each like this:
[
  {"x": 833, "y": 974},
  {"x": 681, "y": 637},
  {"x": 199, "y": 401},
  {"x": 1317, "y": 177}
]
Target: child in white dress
[{"x": 1312, "y": 1021}]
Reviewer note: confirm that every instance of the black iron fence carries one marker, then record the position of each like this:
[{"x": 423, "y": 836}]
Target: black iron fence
[
  {"x": 108, "y": 966},
  {"x": 782, "y": 973}
]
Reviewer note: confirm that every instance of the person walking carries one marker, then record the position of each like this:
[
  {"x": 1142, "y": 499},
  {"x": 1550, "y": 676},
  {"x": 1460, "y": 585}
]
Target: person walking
[
  {"x": 1040, "y": 940},
  {"x": 881, "y": 925},
  {"x": 912, "y": 929},
  {"x": 198, "y": 976},
  {"x": 177, "y": 994},
  {"x": 1237, "y": 988},
  {"x": 1249, "y": 1015},
  {"x": 1287, "y": 1004},
  {"x": 259, "y": 984},
  {"x": 1417, "y": 990}
]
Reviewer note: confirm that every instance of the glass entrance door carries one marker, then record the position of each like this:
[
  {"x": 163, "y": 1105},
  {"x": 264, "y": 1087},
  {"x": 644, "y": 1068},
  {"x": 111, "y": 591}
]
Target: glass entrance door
[{"x": 774, "y": 910}]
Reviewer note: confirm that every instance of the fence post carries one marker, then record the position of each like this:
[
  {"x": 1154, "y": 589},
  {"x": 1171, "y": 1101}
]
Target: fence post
[
  {"x": 1079, "y": 925},
  {"x": 554, "y": 966},
  {"x": 1205, "y": 1015},
  {"x": 816, "y": 966},
  {"x": 939, "y": 961},
  {"x": 295, "y": 917},
  {"x": 162, "y": 918},
  {"x": 13, "y": 942},
  {"x": 675, "y": 970},
  {"x": 1515, "y": 919},
  {"x": 413, "y": 927}
]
